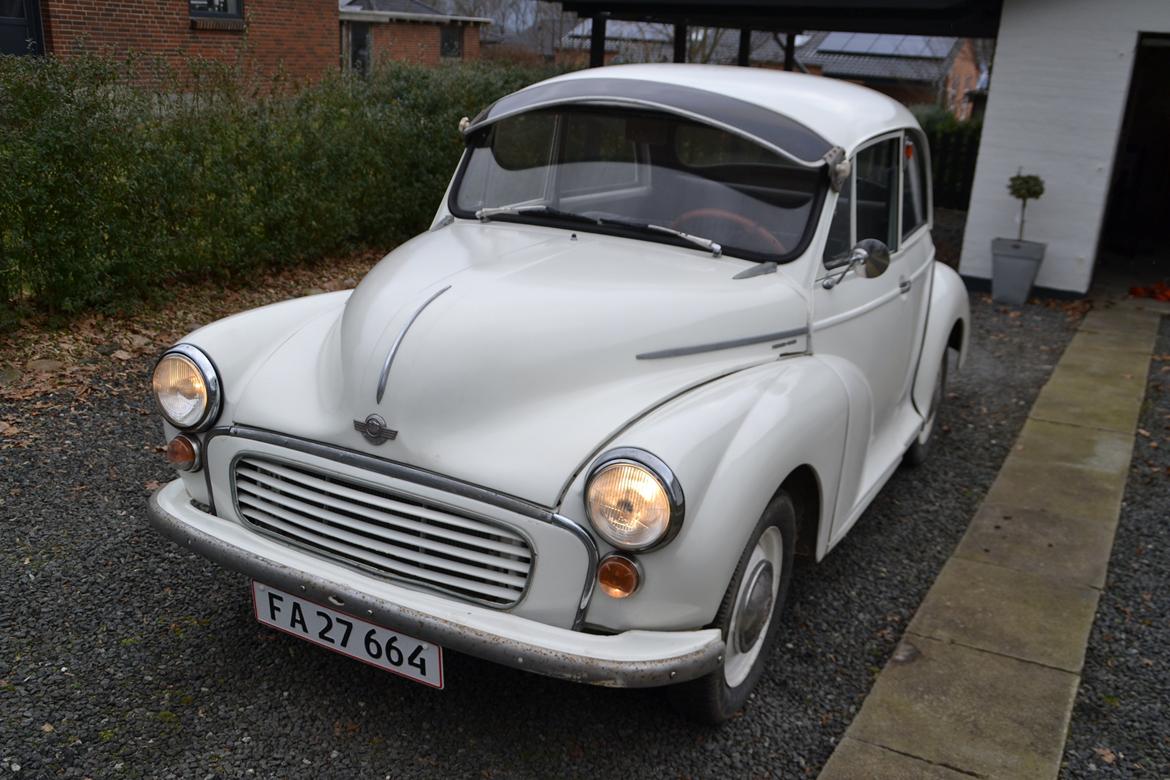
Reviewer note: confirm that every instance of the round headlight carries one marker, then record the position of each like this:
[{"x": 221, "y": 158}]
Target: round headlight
[
  {"x": 186, "y": 388},
  {"x": 633, "y": 506}
]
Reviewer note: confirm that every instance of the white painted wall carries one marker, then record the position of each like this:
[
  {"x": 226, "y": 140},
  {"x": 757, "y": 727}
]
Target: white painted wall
[{"x": 1058, "y": 89}]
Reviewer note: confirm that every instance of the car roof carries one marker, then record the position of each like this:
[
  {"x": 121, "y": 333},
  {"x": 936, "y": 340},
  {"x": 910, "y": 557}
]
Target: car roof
[{"x": 844, "y": 114}]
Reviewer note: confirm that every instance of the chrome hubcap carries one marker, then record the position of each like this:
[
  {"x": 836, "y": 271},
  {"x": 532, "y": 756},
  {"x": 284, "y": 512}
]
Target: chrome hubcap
[
  {"x": 754, "y": 603},
  {"x": 756, "y": 607}
]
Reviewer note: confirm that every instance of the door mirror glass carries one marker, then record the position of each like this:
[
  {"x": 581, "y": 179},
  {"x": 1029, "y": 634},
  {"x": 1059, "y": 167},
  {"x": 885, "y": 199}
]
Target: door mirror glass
[{"x": 873, "y": 257}]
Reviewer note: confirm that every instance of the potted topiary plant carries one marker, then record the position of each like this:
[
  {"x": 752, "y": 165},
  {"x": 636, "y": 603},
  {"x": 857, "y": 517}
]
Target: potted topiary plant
[{"x": 1015, "y": 262}]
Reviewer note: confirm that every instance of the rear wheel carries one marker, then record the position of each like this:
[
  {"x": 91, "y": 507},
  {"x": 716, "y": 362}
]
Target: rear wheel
[
  {"x": 749, "y": 618},
  {"x": 920, "y": 449}
]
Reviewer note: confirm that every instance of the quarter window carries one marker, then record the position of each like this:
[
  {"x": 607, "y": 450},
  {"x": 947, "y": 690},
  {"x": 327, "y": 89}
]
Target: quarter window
[
  {"x": 232, "y": 9},
  {"x": 840, "y": 241},
  {"x": 915, "y": 201},
  {"x": 451, "y": 42},
  {"x": 877, "y": 192}
]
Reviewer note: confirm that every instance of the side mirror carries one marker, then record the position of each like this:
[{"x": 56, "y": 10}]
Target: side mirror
[
  {"x": 876, "y": 257},
  {"x": 872, "y": 258}
]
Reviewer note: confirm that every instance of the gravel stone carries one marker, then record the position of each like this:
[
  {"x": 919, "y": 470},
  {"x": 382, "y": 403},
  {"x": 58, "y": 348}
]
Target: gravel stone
[
  {"x": 147, "y": 660},
  {"x": 1119, "y": 726}
]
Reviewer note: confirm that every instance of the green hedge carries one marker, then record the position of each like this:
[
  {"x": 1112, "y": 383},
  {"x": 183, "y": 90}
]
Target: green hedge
[{"x": 109, "y": 190}]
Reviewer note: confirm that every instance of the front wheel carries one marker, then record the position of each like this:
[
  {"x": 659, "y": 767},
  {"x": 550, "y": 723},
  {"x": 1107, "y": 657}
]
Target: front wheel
[
  {"x": 749, "y": 618},
  {"x": 920, "y": 449}
]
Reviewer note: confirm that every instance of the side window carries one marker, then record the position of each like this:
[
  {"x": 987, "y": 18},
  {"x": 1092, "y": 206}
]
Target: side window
[
  {"x": 877, "y": 192},
  {"x": 914, "y": 185},
  {"x": 840, "y": 241}
]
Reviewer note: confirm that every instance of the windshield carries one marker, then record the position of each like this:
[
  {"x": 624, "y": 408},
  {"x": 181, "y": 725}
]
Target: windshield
[{"x": 639, "y": 171}]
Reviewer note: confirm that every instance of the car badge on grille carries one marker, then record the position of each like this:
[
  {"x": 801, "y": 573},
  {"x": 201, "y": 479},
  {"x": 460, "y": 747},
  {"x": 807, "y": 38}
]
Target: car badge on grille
[{"x": 374, "y": 429}]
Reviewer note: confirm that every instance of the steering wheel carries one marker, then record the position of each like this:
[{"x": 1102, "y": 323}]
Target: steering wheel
[{"x": 740, "y": 221}]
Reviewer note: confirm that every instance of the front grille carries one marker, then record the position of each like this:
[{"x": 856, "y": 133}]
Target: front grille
[{"x": 389, "y": 534}]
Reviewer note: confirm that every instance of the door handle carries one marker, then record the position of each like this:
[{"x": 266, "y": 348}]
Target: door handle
[{"x": 904, "y": 285}]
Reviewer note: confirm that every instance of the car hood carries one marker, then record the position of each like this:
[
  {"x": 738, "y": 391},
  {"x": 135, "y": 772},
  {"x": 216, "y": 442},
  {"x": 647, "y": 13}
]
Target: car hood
[{"x": 528, "y": 363}]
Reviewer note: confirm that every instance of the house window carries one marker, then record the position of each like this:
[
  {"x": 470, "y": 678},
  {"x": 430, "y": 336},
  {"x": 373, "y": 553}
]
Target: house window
[
  {"x": 451, "y": 42},
  {"x": 229, "y": 9}
]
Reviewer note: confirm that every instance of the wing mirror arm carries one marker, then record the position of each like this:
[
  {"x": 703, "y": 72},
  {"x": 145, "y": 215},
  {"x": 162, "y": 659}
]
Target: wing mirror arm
[
  {"x": 858, "y": 255},
  {"x": 872, "y": 255}
]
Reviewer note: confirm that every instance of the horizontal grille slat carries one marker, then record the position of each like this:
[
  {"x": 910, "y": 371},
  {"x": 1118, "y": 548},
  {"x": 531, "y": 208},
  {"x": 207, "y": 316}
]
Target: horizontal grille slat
[
  {"x": 365, "y": 555},
  {"x": 391, "y": 534},
  {"x": 296, "y": 512},
  {"x": 399, "y": 508},
  {"x": 382, "y": 532}
]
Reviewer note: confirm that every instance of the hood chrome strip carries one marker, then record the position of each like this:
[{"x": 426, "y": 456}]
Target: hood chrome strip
[
  {"x": 718, "y": 345},
  {"x": 398, "y": 342}
]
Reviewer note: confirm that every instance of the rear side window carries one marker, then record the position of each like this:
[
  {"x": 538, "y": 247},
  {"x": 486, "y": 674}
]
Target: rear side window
[
  {"x": 877, "y": 192},
  {"x": 915, "y": 192}
]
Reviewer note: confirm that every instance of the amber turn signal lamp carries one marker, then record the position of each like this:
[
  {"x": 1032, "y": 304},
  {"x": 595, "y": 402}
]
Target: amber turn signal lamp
[
  {"x": 619, "y": 576},
  {"x": 183, "y": 453}
]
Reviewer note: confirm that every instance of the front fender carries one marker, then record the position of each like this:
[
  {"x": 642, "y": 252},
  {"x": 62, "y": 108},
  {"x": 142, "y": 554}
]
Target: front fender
[
  {"x": 949, "y": 307},
  {"x": 238, "y": 345},
  {"x": 731, "y": 443}
]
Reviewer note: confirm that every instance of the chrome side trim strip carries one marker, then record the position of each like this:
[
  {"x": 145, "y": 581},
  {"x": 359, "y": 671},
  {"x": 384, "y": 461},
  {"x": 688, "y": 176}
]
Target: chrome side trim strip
[
  {"x": 718, "y": 345},
  {"x": 398, "y": 343}
]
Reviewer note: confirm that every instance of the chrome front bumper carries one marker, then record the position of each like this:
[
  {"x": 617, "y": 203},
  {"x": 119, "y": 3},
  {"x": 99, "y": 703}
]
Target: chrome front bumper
[{"x": 629, "y": 659}]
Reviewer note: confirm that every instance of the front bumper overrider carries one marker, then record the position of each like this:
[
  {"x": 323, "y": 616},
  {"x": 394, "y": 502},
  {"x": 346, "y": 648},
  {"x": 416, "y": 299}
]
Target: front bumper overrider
[{"x": 627, "y": 659}]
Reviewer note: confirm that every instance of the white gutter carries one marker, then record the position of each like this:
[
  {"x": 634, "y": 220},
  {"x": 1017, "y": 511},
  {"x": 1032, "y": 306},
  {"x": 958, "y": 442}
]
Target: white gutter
[{"x": 348, "y": 15}]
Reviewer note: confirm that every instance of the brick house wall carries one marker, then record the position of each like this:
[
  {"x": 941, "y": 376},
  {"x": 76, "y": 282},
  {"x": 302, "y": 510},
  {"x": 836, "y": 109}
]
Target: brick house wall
[
  {"x": 414, "y": 42},
  {"x": 295, "y": 37},
  {"x": 962, "y": 77}
]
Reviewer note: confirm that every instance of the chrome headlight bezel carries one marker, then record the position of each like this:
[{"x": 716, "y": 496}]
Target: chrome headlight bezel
[
  {"x": 666, "y": 478},
  {"x": 211, "y": 382}
]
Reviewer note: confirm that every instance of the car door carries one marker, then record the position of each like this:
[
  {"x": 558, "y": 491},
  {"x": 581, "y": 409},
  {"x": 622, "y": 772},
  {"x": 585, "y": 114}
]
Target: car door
[
  {"x": 917, "y": 249},
  {"x": 868, "y": 321}
]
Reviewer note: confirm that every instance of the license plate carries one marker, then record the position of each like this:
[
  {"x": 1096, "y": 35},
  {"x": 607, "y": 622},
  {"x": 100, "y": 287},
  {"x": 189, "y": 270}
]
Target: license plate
[{"x": 351, "y": 636}]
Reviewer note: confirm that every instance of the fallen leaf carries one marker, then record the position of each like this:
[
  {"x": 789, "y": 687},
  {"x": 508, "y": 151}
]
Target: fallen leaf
[
  {"x": 152, "y": 485},
  {"x": 122, "y": 354},
  {"x": 1107, "y": 755},
  {"x": 1143, "y": 432},
  {"x": 47, "y": 728}
]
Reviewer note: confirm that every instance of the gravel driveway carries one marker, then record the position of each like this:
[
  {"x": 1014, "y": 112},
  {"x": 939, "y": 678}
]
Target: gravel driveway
[
  {"x": 1120, "y": 722},
  {"x": 121, "y": 655}
]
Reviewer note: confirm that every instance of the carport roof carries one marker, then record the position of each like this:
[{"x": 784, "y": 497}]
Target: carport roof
[{"x": 961, "y": 18}]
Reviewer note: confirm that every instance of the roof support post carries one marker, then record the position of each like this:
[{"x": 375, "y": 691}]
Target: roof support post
[
  {"x": 745, "y": 47},
  {"x": 680, "y": 42},
  {"x": 597, "y": 41},
  {"x": 790, "y": 51}
]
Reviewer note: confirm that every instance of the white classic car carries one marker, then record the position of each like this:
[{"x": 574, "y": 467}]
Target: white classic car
[{"x": 671, "y": 324}]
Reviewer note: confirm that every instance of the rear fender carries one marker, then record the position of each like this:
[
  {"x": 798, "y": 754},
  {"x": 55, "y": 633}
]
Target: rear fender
[{"x": 949, "y": 309}]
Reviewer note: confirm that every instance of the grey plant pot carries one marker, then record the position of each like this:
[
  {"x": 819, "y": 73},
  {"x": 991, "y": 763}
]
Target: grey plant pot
[{"x": 1014, "y": 268}]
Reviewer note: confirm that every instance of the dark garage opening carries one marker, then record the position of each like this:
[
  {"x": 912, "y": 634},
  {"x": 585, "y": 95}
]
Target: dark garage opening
[{"x": 1138, "y": 212}]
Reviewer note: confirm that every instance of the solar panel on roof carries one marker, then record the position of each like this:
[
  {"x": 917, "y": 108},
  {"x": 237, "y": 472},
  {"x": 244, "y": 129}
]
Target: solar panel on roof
[
  {"x": 835, "y": 41},
  {"x": 885, "y": 44}
]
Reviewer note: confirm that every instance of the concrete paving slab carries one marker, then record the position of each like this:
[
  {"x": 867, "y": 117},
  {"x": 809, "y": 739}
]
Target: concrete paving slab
[
  {"x": 1089, "y": 402},
  {"x": 1074, "y": 445},
  {"x": 1058, "y": 488},
  {"x": 853, "y": 760},
  {"x": 1010, "y": 612},
  {"x": 1141, "y": 341},
  {"x": 1124, "y": 318},
  {"x": 1064, "y": 548},
  {"x": 1124, "y": 368},
  {"x": 971, "y": 710}
]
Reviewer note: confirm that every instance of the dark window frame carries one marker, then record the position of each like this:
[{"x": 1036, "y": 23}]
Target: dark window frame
[
  {"x": 198, "y": 14},
  {"x": 445, "y": 31}
]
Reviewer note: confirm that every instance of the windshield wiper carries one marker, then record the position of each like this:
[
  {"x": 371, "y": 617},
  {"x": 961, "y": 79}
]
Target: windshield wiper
[
  {"x": 599, "y": 219},
  {"x": 713, "y": 247},
  {"x": 536, "y": 208}
]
